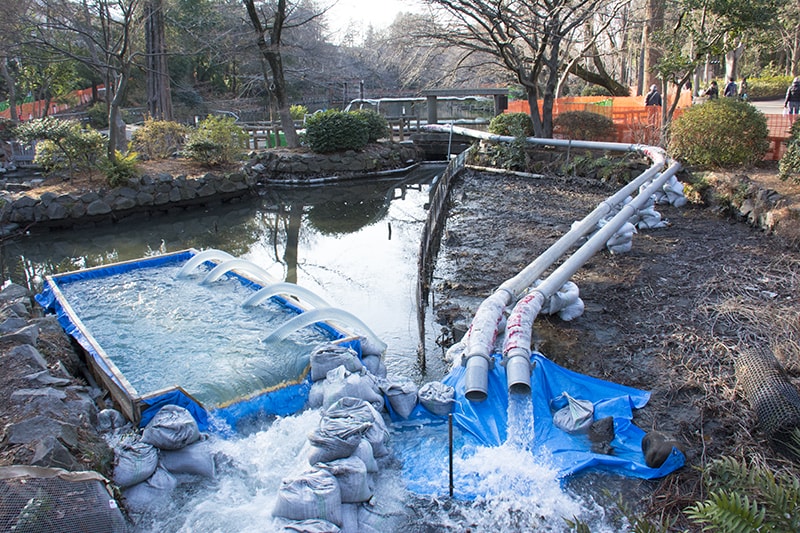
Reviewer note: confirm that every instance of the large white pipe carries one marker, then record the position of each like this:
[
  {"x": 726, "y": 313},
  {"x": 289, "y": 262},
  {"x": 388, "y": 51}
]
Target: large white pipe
[
  {"x": 516, "y": 349},
  {"x": 483, "y": 330}
]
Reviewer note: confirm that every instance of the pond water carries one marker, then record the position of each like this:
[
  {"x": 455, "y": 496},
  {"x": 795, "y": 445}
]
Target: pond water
[{"x": 355, "y": 245}]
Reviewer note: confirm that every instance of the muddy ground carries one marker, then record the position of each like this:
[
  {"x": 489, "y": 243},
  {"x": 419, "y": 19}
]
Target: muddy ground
[{"x": 669, "y": 317}]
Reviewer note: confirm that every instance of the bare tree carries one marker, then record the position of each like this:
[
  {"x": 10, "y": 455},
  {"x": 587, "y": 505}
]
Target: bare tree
[
  {"x": 526, "y": 40},
  {"x": 159, "y": 97}
]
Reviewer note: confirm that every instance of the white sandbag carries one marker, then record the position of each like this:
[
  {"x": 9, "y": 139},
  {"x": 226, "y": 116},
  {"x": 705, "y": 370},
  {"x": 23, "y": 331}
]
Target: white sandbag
[
  {"x": 651, "y": 219},
  {"x": 135, "y": 461},
  {"x": 112, "y": 421},
  {"x": 380, "y": 519},
  {"x": 572, "y": 415},
  {"x": 377, "y": 434},
  {"x": 351, "y": 473},
  {"x": 374, "y": 364},
  {"x": 350, "y": 518},
  {"x": 330, "y": 356},
  {"x": 572, "y": 311},
  {"x": 172, "y": 428},
  {"x": 312, "y": 494},
  {"x": 566, "y": 295},
  {"x": 340, "y": 383},
  {"x": 155, "y": 491},
  {"x": 364, "y": 452},
  {"x": 316, "y": 395},
  {"x": 336, "y": 438},
  {"x": 437, "y": 397},
  {"x": 402, "y": 396},
  {"x": 194, "y": 460},
  {"x": 312, "y": 526}
]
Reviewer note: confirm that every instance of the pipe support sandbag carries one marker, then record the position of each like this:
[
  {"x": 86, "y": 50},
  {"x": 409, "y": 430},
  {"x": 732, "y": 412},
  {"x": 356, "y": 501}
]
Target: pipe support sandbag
[{"x": 772, "y": 396}]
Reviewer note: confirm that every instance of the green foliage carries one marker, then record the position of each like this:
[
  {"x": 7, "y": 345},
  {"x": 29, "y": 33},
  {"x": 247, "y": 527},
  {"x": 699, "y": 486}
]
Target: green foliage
[
  {"x": 216, "y": 141},
  {"x": 747, "y": 498},
  {"x": 334, "y": 131},
  {"x": 720, "y": 133},
  {"x": 773, "y": 87},
  {"x": 789, "y": 165},
  {"x": 62, "y": 145},
  {"x": 159, "y": 139},
  {"x": 7, "y": 130},
  {"x": 595, "y": 90},
  {"x": 376, "y": 125},
  {"x": 121, "y": 169},
  {"x": 618, "y": 170},
  {"x": 298, "y": 112},
  {"x": 512, "y": 124},
  {"x": 584, "y": 125},
  {"x": 98, "y": 115}
]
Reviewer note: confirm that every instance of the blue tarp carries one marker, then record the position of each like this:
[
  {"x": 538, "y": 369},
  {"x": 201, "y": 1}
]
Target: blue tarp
[{"x": 486, "y": 424}]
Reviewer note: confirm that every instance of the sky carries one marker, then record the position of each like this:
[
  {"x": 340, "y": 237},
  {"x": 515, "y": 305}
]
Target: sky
[{"x": 378, "y": 13}]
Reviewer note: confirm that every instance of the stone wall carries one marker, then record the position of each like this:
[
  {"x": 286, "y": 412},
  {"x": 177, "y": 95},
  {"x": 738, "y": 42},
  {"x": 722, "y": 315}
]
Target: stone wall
[{"x": 27, "y": 209}]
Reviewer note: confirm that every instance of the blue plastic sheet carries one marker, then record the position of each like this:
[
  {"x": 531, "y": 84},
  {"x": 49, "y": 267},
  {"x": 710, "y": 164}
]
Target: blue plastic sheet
[{"x": 424, "y": 453}]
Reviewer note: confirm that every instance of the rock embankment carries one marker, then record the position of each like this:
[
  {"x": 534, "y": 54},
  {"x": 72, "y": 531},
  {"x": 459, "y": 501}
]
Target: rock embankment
[{"x": 47, "y": 414}]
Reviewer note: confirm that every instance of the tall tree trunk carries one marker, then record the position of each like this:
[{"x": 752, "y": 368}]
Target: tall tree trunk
[
  {"x": 270, "y": 46},
  {"x": 654, "y": 22},
  {"x": 159, "y": 98},
  {"x": 12, "y": 89}
]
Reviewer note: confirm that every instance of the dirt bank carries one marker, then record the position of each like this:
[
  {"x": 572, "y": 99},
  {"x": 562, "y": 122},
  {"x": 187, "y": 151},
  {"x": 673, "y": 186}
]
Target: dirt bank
[{"x": 668, "y": 317}]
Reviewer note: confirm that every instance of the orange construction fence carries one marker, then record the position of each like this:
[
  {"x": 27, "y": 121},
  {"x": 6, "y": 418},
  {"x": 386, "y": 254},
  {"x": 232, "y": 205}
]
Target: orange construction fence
[
  {"x": 635, "y": 123},
  {"x": 37, "y": 109}
]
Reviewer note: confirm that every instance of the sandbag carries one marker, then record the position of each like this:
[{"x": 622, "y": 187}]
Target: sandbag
[
  {"x": 330, "y": 356},
  {"x": 336, "y": 438},
  {"x": 172, "y": 428},
  {"x": 340, "y": 383},
  {"x": 312, "y": 494},
  {"x": 364, "y": 452},
  {"x": 195, "y": 460},
  {"x": 112, "y": 421},
  {"x": 572, "y": 311},
  {"x": 350, "y": 518},
  {"x": 155, "y": 491},
  {"x": 316, "y": 395},
  {"x": 312, "y": 526},
  {"x": 377, "y": 434},
  {"x": 402, "y": 396},
  {"x": 135, "y": 461},
  {"x": 572, "y": 415},
  {"x": 437, "y": 397},
  {"x": 374, "y": 364},
  {"x": 351, "y": 473}
]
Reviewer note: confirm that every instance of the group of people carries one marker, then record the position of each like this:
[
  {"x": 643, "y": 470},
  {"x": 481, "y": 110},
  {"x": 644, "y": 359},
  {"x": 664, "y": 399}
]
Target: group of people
[{"x": 732, "y": 90}]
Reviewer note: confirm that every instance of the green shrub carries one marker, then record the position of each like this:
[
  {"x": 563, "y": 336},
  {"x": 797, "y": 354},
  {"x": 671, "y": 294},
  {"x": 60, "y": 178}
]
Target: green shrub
[
  {"x": 584, "y": 125},
  {"x": 216, "y": 141},
  {"x": 158, "y": 139},
  {"x": 789, "y": 165},
  {"x": 720, "y": 133},
  {"x": 119, "y": 171},
  {"x": 334, "y": 131},
  {"x": 376, "y": 125},
  {"x": 595, "y": 90},
  {"x": 513, "y": 124},
  {"x": 298, "y": 112},
  {"x": 62, "y": 145},
  {"x": 98, "y": 115},
  {"x": 768, "y": 88}
]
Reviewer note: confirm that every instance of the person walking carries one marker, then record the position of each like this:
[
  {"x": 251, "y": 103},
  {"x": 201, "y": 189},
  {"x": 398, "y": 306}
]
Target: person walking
[
  {"x": 731, "y": 90},
  {"x": 792, "y": 101},
  {"x": 712, "y": 93},
  {"x": 743, "y": 90},
  {"x": 653, "y": 97}
]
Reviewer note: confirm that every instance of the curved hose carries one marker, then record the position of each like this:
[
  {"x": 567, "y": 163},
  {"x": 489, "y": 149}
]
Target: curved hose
[
  {"x": 373, "y": 345},
  {"x": 290, "y": 289},
  {"x": 205, "y": 255},
  {"x": 239, "y": 264}
]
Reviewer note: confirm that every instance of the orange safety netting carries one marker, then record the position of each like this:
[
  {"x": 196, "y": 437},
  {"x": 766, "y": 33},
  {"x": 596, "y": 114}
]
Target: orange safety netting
[{"x": 31, "y": 110}]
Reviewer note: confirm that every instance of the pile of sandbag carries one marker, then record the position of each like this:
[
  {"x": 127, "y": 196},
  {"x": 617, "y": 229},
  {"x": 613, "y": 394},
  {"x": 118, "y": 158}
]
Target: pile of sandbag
[
  {"x": 354, "y": 394},
  {"x": 149, "y": 465}
]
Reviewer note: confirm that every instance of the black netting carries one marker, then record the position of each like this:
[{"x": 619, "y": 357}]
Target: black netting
[
  {"x": 46, "y": 505},
  {"x": 771, "y": 395}
]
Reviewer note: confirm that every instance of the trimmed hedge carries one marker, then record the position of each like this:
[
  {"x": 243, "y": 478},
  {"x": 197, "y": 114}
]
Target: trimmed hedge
[
  {"x": 334, "y": 131},
  {"x": 512, "y": 124},
  {"x": 584, "y": 125},
  {"x": 720, "y": 133},
  {"x": 376, "y": 125}
]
